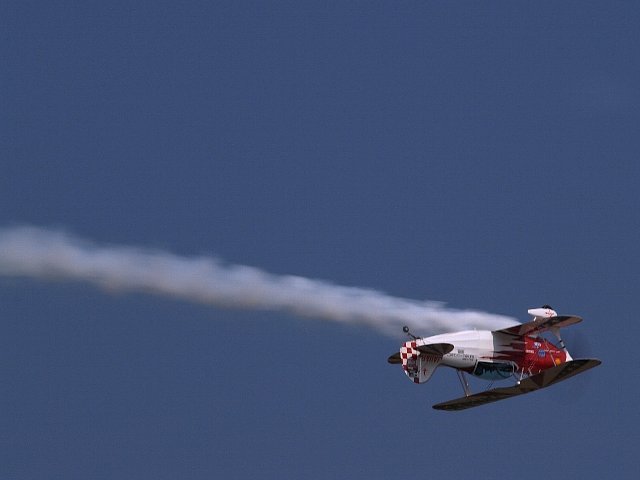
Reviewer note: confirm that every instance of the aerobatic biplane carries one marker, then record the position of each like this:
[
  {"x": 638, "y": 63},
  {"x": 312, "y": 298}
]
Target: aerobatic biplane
[{"x": 517, "y": 352}]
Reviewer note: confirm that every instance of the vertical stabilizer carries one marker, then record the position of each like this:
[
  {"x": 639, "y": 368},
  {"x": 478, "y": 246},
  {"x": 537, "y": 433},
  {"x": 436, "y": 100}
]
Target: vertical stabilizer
[{"x": 417, "y": 365}]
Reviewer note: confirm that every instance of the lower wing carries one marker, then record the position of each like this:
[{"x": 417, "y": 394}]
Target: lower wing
[{"x": 529, "y": 384}]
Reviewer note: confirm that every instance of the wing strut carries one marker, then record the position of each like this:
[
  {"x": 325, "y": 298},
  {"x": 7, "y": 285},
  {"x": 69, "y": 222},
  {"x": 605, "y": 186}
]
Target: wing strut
[{"x": 464, "y": 382}]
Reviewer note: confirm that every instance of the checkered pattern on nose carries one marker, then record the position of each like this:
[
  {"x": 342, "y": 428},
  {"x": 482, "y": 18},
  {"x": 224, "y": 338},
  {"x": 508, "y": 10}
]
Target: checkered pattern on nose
[
  {"x": 408, "y": 351},
  {"x": 409, "y": 355}
]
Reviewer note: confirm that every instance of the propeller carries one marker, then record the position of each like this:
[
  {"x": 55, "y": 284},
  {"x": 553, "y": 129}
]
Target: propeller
[
  {"x": 578, "y": 343},
  {"x": 579, "y": 346}
]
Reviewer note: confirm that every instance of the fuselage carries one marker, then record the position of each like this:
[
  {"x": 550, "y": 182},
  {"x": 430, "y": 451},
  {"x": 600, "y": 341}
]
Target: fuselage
[{"x": 494, "y": 356}]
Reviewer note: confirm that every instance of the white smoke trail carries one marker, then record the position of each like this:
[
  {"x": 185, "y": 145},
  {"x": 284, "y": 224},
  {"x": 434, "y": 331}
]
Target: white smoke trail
[{"x": 52, "y": 254}]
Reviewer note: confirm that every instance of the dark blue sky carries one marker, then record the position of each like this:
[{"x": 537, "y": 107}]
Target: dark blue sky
[{"x": 480, "y": 153}]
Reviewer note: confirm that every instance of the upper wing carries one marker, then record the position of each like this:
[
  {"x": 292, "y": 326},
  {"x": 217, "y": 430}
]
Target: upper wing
[
  {"x": 537, "y": 326},
  {"x": 530, "y": 384}
]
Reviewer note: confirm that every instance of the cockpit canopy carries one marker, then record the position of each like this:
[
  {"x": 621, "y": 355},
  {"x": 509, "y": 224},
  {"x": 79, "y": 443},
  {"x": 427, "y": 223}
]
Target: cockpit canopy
[{"x": 494, "y": 371}]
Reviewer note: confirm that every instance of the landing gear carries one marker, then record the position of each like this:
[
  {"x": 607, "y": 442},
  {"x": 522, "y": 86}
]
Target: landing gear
[{"x": 556, "y": 332}]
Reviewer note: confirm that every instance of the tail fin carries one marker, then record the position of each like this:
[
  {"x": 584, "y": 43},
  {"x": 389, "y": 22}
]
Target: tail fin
[{"x": 417, "y": 365}]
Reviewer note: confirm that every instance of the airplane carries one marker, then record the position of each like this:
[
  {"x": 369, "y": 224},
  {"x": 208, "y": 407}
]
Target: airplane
[{"x": 517, "y": 352}]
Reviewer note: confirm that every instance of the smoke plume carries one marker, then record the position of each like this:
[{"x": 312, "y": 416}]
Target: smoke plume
[{"x": 52, "y": 254}]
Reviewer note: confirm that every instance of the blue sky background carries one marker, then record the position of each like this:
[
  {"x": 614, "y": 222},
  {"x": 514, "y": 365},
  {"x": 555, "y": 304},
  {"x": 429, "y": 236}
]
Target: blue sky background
[{"x": 484, "y": 154}]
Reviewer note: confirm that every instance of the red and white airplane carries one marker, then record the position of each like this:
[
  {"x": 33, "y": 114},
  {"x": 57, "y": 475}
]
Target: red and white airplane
[{"x": 517, "y": 352}]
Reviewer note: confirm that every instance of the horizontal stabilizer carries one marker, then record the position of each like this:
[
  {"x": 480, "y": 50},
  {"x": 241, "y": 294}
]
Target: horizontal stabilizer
[
  {"x": 530, "y": 384},
  {"x": 436, "y": 348},
  {"x": 395, "y": 358},
  {"x": 541, "y": 325}
]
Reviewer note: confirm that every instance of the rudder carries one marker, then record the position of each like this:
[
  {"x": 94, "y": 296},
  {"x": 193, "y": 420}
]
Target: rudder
[{"x": 417, "y": 365}]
